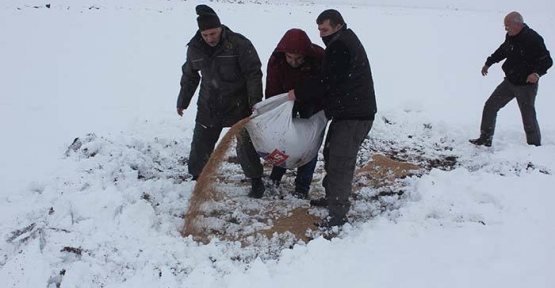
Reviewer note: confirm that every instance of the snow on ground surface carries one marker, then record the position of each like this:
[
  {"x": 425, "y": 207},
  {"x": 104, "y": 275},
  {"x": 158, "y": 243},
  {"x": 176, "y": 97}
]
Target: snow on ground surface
[{"x": 105, "y": 211}]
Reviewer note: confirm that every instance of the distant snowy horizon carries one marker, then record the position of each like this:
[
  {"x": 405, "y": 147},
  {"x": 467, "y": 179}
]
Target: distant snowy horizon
[{"x": 486, "y": 6}]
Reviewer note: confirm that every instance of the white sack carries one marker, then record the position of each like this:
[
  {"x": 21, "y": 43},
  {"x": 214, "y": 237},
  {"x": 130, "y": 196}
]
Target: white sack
[{"x": 282, "y": 140}]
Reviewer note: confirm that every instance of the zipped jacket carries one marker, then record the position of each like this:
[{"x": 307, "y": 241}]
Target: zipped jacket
[
  {"x": 345, "y": 83},
  {"x": 524, "y": 54},
  {"x": 231, "y": 81}
]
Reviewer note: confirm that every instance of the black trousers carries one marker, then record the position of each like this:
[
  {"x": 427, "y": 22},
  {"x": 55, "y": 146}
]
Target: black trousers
[
  {"x": 204, "y": 141},
  {"x": 340, "y": 154},
  {"x": 526, "y": 98}
]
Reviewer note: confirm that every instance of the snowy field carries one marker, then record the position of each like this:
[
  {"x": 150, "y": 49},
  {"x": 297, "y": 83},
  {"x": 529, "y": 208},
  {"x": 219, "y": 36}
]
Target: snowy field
[{"x": 106, "y": 211}]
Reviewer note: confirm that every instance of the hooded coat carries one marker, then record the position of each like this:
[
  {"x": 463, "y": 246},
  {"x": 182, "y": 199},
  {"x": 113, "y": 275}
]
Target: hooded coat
[
  {"x": 231, "y": 81},
  {"x": 281, "y": 77},
  {"x": 525, "y": 53}
]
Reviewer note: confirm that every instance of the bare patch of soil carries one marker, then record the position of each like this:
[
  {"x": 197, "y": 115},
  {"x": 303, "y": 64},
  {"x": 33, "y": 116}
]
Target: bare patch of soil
[
  {"x": 384, "y": 171},
  {"x": 220, "y": 208}
]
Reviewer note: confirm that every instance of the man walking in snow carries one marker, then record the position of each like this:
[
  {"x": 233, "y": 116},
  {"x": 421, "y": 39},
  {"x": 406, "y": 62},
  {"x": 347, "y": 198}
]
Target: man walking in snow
[
  {"x": 526, "y": 60},
  {"x": 294, "y": 60},
  {"x": 230, "y": 85},
  {"x": 346, "y": 87}
]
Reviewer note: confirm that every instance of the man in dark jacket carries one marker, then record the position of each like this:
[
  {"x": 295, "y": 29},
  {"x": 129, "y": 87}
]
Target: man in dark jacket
[
  {"x": 294, "y": 60},
  {"x": 231, "y": 84},
  {"x": 527, "y": 59},
  {"x": 346, "y": 87}
]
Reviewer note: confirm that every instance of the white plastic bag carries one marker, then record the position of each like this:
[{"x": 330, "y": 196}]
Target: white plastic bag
[{"x": 282, "y": 140}]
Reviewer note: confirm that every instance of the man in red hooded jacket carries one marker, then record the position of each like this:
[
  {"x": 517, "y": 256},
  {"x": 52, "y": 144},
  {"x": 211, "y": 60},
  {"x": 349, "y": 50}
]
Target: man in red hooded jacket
[{"x": 294, "y": 60}]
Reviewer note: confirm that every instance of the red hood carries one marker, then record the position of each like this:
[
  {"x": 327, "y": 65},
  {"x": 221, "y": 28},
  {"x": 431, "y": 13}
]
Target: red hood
[{"x": 295, "y": 41}]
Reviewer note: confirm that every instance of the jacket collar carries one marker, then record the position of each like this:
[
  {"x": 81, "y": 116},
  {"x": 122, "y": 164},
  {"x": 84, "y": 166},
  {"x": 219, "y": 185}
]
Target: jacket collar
[
  {"x": 332, "y": 37},
  {"x": 524, "y": 30}
]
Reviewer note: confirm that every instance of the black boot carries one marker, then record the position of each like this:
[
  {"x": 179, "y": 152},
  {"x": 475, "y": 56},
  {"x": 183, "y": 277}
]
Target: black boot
[
  {"x": 482, "y": 141},
  {"x": 320, "y": 202},
  {"x": 257, "y": 188},
  {"x": 303, "y": 195},
  {"x": 273, "y": 183},
  {"x": 273, "y": 187},
  {"x": 331, "y": 221}
]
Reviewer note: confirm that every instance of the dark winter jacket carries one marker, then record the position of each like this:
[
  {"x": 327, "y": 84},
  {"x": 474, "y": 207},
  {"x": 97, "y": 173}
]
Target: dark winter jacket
[
  {"x": 525, "y": 53},
  {"x": 231, "y": 79},
  {"x": 345, "y": 83}
]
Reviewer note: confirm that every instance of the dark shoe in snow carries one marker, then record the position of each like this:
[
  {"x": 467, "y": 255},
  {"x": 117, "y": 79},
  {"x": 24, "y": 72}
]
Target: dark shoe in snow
[
  {"x": 273, "y": 188},
  {"x": 303, "y": 195},
  {"x": 330, "y": 222},
  {"x": 273, "y": 183},
  {"x": 481, "y": 142},
  {"x": 257, "y": 188},
  {"x": 320, "y": 202},
  {"x": 300, "y": 195},
  {"x": 331, "y": 226}
]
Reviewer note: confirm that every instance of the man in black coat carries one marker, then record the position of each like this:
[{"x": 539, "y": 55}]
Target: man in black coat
[
  {"x": 230, "y": 85},
  {"x": 346, "y": 87},
  {"x": 527, "y": 59}
]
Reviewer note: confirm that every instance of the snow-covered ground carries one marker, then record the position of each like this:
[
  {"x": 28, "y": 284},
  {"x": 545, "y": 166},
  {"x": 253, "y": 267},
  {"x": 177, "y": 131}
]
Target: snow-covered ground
[{"x": 108, "y": 213}]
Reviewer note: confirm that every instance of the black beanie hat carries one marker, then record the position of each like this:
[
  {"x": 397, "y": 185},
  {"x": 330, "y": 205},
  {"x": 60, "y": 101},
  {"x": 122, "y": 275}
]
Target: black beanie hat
[{"x": 207, "y": 18}]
